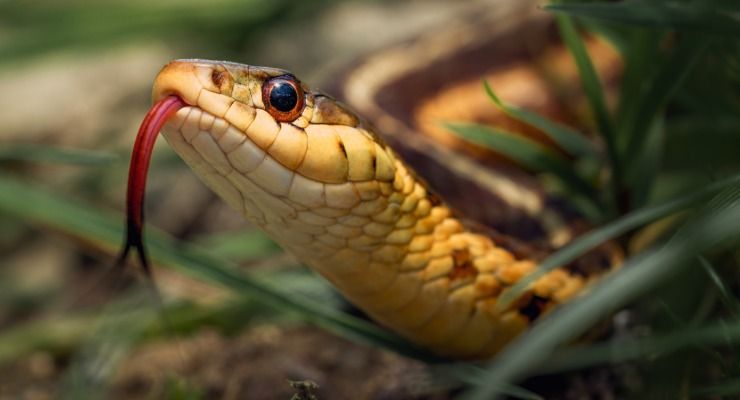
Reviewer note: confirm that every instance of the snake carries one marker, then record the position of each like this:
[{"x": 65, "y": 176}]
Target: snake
[
  {"x": 382, "y": 213},
  {"x": 322, "y": 182}
]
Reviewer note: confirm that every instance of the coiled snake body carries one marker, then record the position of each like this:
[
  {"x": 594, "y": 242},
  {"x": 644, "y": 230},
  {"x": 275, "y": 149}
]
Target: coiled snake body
[{"x": 320, "y": 182}]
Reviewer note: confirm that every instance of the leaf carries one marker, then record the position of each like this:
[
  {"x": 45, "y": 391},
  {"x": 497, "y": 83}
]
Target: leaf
[
  {"x": 703, "y": 16},
  {"x": 573, "y": 142},
  {"x": 639, "y": 274},
  {"x": 526, "y": 152}
]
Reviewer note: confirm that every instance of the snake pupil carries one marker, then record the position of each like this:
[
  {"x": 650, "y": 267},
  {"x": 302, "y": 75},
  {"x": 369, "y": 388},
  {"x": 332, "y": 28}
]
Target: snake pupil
[{"x": 283, "y": 96}]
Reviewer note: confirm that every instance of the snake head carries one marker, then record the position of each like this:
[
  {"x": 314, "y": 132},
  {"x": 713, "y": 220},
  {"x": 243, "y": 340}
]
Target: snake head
[
  {"x": 269, "y": 146},
  {"x": 304, "y": 131}
]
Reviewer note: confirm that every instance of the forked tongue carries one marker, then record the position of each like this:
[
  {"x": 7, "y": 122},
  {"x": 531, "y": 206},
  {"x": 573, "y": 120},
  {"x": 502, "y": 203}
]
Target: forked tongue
[{"x": 157, "y": 116}]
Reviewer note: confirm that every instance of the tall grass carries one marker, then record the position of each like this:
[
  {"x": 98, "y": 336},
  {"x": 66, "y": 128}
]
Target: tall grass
[{"x": 668, "y": 48}]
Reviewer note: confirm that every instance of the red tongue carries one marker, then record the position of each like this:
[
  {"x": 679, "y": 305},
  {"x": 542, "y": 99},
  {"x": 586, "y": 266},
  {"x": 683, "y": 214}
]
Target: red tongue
[{"x": 160, "y": 112}]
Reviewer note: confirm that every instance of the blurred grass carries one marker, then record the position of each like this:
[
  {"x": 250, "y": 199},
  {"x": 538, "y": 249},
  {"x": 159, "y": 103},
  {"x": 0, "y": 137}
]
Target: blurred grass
[
  {"x": 718, "y": 17},
  {"x": 535, "y": 157},
  {"x": 40, "y": 153},
  {"x": 38, "y": 28},
  {"x": 671, "y": 144}
]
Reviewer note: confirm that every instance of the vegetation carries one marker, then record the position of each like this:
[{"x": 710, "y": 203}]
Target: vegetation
[
  {"x": 666, "y": 177},
  {"x": 679, "y": 102}
]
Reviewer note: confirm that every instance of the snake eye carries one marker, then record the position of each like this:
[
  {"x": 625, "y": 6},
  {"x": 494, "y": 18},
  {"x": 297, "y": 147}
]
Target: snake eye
[{"x": 283, "y": 98}]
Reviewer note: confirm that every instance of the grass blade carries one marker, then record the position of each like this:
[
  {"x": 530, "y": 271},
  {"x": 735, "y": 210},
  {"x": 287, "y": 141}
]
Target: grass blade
[
  {"x": 645, "y": 166},
  {"x": 667, "y": 79},
  {"x": 527, "y": 153},
  {"x": 610, "y": 231},
  {"x": 594, "y": 93},
  {"x": 573, "y": 142},
  {"x": 57, "y": 155},
  {"x": 239, "y": 246},
  {"x": 725, "y": 294},
  {"x": 688, "y": 15},
  {"x": 719, "y": 334}
]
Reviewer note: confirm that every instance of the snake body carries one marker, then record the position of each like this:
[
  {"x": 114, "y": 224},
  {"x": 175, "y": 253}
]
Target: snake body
[{"x": 321, "y": 183}]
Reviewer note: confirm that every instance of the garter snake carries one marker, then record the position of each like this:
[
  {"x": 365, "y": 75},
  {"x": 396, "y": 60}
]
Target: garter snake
[{"x": 320, "y": 181}]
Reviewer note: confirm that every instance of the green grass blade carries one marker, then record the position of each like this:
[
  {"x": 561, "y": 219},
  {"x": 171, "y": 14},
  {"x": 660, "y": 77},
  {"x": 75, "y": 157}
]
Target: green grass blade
[
  {"x": 729, "y": 301},
  {"x": 527, "y": 153},
  {"x": 239, "y": 246},
  {"x": 639, "y": 274},
  {"x": 668, "y": 78},
  {"x": 610, "y": 231},
  {"x": 592, "y": 86},
  {"x": 641, "y": 53},
  {"x": 620, "y": 350},
  {"x": 106, "y": 231},
  {"x": 573, "y": 142},
  {"x": 50, "y": 154},
  {"x": 714, "y": 17},
  {"x": 471, "y": 374},
  {"x": 646, "y": 164}
]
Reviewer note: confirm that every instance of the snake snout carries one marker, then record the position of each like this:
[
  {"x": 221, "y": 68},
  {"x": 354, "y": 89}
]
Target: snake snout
[{"x": 193, "y": 81}]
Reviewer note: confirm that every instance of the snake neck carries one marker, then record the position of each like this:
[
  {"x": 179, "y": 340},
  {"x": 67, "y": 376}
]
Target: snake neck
[{"x": 389, "y": 245}]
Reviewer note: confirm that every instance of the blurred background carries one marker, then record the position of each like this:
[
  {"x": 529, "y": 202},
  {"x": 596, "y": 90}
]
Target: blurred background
[{"x": 75, "y": 81}]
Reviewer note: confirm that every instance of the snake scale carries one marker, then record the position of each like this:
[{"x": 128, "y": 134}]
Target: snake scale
[{"x": 320, "y": 182}]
